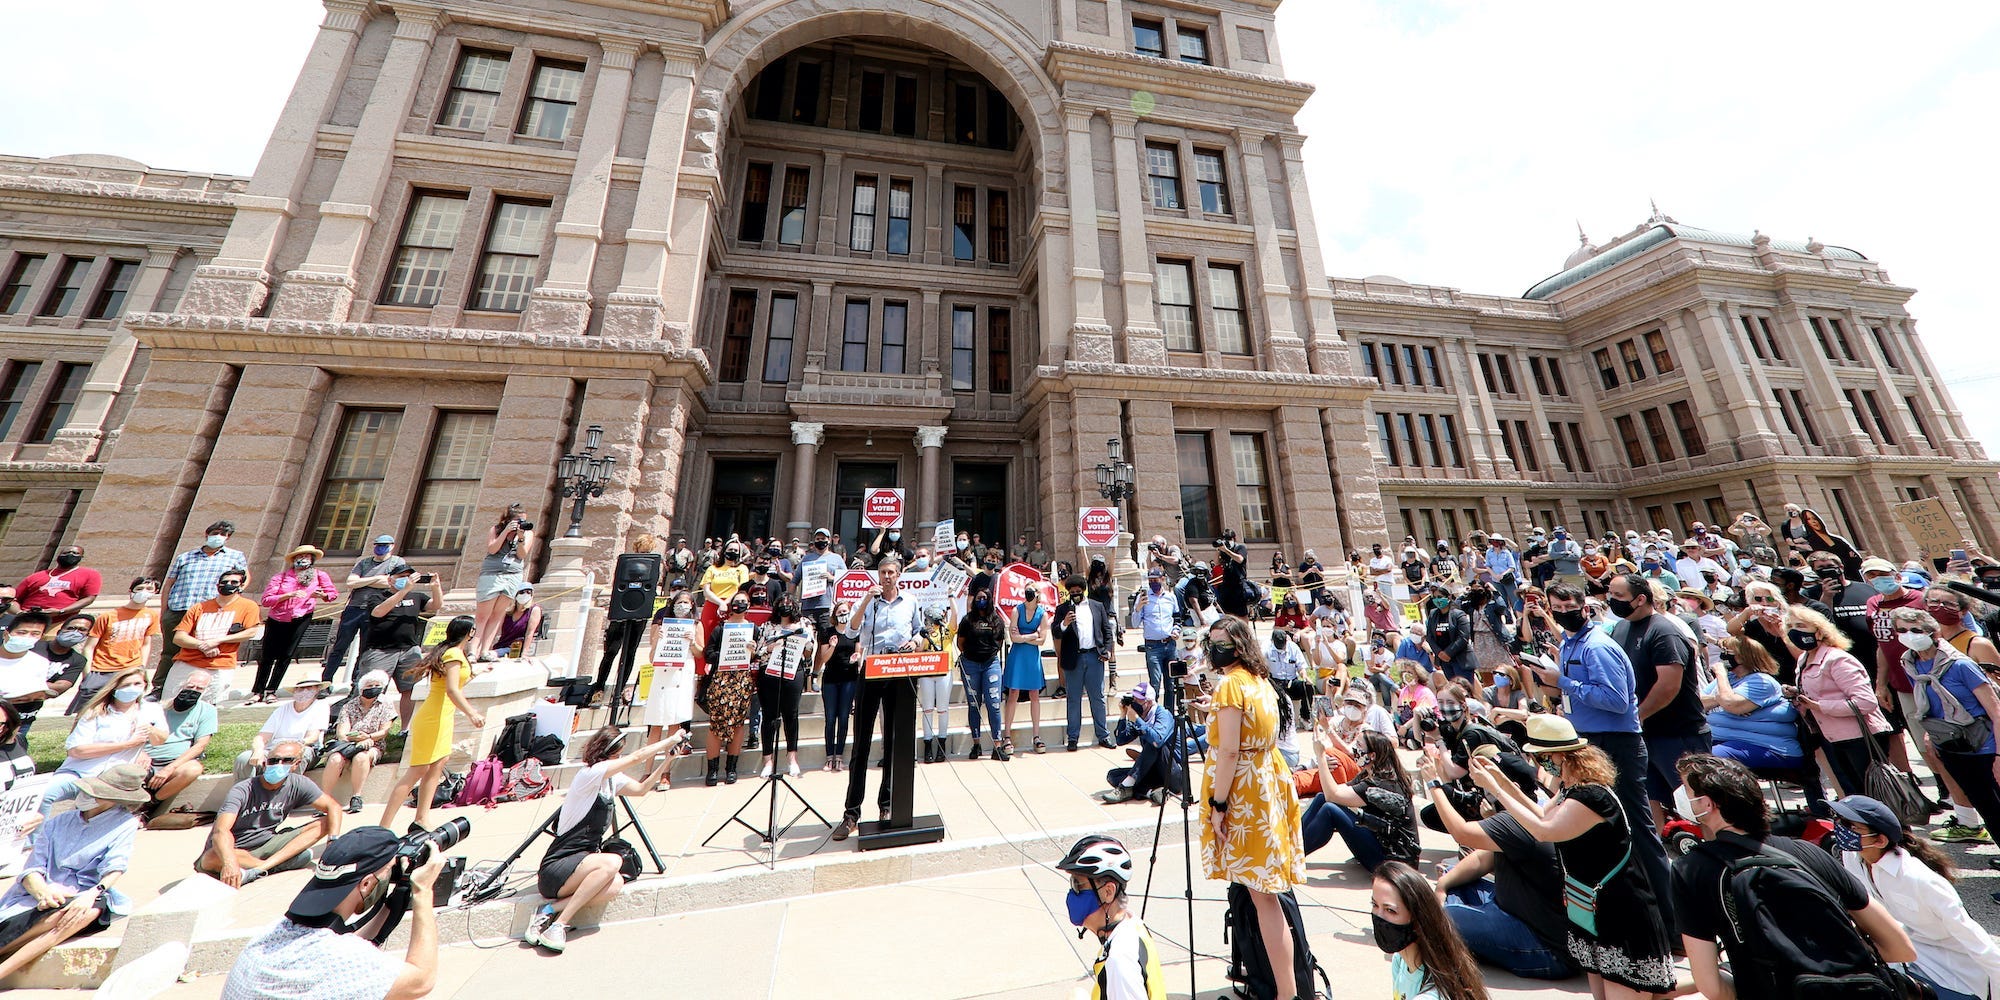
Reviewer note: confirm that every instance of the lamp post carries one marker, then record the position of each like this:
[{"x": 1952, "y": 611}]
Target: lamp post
[
  {"x": 583, "y": 475},
  {"x": 1114, "y": 483}
]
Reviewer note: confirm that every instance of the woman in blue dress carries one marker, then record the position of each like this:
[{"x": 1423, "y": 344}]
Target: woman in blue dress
[{"x": 1028, "y": 630}]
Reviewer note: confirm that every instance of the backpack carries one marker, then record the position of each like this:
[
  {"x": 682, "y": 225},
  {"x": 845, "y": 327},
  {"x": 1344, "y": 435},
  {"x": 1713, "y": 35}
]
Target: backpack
[
  {"x": 525, "y": 781},
  {"x": 448, "y": 788},
  {"x": 1798, "y": 941},
  {"x": 548, "y": 748},
  {"x": 483, "y": 785},
  {"x": 1250, "y": 965},
  {"x": 516, "y": 735}
]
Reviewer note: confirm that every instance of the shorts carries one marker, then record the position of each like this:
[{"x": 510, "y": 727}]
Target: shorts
[
  {"x": 17, "y": 926},
  {"x": 555, "y": 873},
  {"x": 277, "y": 843},
  {"x": 394, "y": 662},
  {"x": 497, "y": 585}
]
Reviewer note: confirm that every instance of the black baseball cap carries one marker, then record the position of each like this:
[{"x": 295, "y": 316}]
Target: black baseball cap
[{"x": 351, "y": 857}]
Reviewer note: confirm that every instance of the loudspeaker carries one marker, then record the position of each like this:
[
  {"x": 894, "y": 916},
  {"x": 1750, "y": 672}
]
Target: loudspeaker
[{"x": 634, "y": 583}]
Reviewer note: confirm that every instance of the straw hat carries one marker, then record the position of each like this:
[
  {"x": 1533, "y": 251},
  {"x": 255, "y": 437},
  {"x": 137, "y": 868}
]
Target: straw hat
[
  {"x": 1551, "y": 734},
  {"x": 304, "y": 550}
]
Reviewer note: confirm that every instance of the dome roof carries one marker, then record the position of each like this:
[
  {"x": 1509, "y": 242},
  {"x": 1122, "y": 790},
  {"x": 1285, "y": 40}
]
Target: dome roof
[
  {"x": 1582, "y": 266},
  {"x": 1584, "y": 249}
]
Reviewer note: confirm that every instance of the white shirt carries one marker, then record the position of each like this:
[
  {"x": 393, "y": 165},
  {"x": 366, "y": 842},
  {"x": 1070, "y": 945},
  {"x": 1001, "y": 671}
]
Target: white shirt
[
  {"x": 295, "y": 961},
  {"x": 288, "y": 723},
  {"x": 1086, "y": 627},
  {"x": 30, "y": 673},
  {"x": 1690, "y": 571},
  {"x": 110, "y": 726},
  {"x": 1952, "y": 949},
  {"x": 585, "y": 788},
  {"x": 1382, "y": 568},
  {"x": 1124, "y": 961}
]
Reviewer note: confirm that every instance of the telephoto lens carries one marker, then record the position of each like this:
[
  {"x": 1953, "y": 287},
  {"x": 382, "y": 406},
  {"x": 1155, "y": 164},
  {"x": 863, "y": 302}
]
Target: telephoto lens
[{"x": 415, "y": 850}]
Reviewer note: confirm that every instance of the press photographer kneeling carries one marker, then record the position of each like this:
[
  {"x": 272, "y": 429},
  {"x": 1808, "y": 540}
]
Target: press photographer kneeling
[
  {"x": 577, "y": 870},
  {"x": 1157, "y": 771}
]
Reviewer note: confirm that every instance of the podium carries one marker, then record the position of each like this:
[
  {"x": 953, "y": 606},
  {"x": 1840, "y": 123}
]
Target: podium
[{"x": 899, "y": 715}]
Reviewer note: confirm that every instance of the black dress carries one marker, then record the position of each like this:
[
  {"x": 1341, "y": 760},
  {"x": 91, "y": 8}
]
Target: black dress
[{"x": 1630, "y": 946}]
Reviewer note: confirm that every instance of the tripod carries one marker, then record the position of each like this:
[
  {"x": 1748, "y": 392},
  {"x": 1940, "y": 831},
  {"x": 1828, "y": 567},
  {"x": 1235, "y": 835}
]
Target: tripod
[
  {"x": 487, "y": 884},
  {"x": 631, "y": 633},
  {"x": 1183, "y": 734},
  {"x": 771, "y": 832}
]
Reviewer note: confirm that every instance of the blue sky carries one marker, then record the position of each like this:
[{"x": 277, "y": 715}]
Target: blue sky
[{"x": 1450, "y": 143}]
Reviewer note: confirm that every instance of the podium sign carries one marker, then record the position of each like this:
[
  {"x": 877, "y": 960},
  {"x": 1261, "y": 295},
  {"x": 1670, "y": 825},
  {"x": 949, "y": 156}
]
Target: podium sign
[{"x": 888, "y": 666}]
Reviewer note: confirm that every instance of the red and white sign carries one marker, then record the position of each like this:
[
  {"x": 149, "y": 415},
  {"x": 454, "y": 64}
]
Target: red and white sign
[
  {"x": 1097, "y": 527},
  {"x": 885, "y": 666},
  {"x": 882, "y": 507},
  {"x": 853, "y": 587},
  {"x": 1011, "y": 587}
]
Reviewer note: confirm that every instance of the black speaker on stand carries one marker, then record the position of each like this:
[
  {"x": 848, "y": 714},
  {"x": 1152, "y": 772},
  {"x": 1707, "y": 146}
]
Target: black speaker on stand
[{"x": 635, "y": 583}]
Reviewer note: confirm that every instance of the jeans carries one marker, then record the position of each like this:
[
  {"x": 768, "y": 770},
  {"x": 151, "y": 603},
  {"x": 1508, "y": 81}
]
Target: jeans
[
  {"x": 349, "y": 630},
  {"x": 1323, "y": 819},
  {"x": 1662, "y": 752},
  {"x": 837, "y": 702},
  {"x": 62, "y": 787},
  {"x": 1499, "y": 938},
  {"x": 274, "y": 653},
  {"x": 1158, "y": 652},
  {"x": 1942, "y": 992},
  {"x": 1153, "y": 769},
  {"x": 1628, "y": 753},
  {"x": 1087, "y": 678},
  {"x": 874, "y": 699},
  {"x": 1509, "y": 587},
  {"x": 1764, "y": 761},
  {"x": 982, "y": 688}
]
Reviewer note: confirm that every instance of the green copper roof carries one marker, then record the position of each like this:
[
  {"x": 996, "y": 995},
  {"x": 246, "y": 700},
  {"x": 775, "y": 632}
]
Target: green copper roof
[{"x": 1660, "y": 233}]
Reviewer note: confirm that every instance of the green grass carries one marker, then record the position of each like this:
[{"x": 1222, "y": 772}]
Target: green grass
[{"x": 45, "y": 744}]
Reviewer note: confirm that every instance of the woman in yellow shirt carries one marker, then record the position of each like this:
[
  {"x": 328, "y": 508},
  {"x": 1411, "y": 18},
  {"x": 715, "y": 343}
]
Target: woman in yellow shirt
[
  {"x": 429, "y": 744},
  {"x": 720, "y": 582}
]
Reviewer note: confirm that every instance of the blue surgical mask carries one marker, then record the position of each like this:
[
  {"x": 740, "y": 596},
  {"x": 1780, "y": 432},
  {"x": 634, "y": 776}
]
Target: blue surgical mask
[
  {"x": 129, "y": 693},
  {"x": 19, "y": 643},
  {"x": 1846, "y": 839},
  {"x": 1081, "y": 903},
  {"x": 276, "y": 773},
  {"x": 216, "y": 541},
  {"x": 381, "y": 550},
  {"x": 400, "y": 582},
  {"x": 71, "y": 638},
  {"x": 1885, "y": 584}
]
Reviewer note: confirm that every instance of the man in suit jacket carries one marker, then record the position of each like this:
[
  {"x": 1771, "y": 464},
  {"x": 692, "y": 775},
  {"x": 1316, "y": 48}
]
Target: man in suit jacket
[{"x": 1085, "y": 636}]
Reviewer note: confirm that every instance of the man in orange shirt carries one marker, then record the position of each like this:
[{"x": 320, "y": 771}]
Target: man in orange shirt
[
  {"x": 211, "y": 632},
  {"x": 119, "y": 639}
]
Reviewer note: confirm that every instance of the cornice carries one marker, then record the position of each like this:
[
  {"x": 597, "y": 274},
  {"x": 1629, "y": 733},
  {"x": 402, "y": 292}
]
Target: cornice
[{"x": 1070, "y": 63}]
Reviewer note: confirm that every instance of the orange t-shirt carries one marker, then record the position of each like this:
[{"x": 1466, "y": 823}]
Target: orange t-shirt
[
  {"x": 211, "y": 620},
  {"x": 121, "y": 637}
]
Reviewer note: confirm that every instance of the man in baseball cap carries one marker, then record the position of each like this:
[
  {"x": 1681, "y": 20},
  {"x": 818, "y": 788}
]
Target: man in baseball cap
[{"x": 1154, "y": 771}]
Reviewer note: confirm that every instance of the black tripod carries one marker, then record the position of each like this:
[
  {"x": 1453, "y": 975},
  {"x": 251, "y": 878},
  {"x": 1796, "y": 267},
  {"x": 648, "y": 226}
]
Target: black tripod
[
  {"x": 1177, "y": 749},
  {"x": 771, "y": 832},
  {"x": 484, "y": 885}
]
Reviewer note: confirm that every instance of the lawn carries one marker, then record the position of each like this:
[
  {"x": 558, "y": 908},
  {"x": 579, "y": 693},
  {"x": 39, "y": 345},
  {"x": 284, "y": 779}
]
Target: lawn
[{"x": 45, "y": 744}]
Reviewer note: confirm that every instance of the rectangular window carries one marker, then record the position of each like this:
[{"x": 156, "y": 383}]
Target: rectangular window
[
  {"x": 962, "y": 320},
  {"x": 1486, "y": 373},
  {"x": 448, "y": 496},
  {"x": 1628, "y": 434},
  {"x": 805, "y": 94},
  {"x": 513, "y": 255},
  {"x": 1750, "y": 334},
  {"x": 1427, "y": 429},
  {"x": 792, "y": 207},
  {"x": 1846, "y": 515},
  {"x": 1607, "y": 376},
  {"x": 1770, "y": 342},
  {"x": 854, "y": 337},
  {"x": 874, "y": 89},
  {"x": 1163, "y": 172},
  {"x": 1917, "y": 416},
  {"x": 69, "y": 285},
  {"x": 1527, "y": 443},
  {"x": 779, "y": 338},
  {"x": 20, "y": 279},
  {"x": 1505, "y": 366},
  {"x": 1628, "y": 351},
  {"x": 1149, "y": 38},
  {"x": 552, "y": 100},
  {"x": 904, "y": 112},
  {"x": 1582, "y": 451},
  {"x": 964, "y": 223},
  {"x": 1448, "y": 433},
  {"x": 1687, "y": 428},
  {"x": 1431, "y": 370},
  {"x": 1840, "y": 338},
  {"x": 1211, "y": 181},
  {"x": 423, "y": 255},
  {"x": 1385, "y": 432},
  {"x": 1785, "y": 410},
  {"x": 475, "y": 90},
  {"x": 1410, "y": 365},
  {"x": 965, "y": 113},
  {"x": 1253, "y": 486},
  {"x": 1860, "y": 418},
  {"x": 1819, "y": 333},
  {"x": 63, "y": 393},
  {"x": 1508, "y": 444},
  {"x": 999, "y": 351},
  {"x": 1176, "y": 293},
  {"x": 1406, "y": 429},
  {"x": 1562, "y": 446},
  {"x": 895, "y": 335},
  {"x": 1389, "y": 358},
  {"x": 353, "y": 484},
  {"x": 1882, "y": 344},
  {"x": 999, "y": 121},
  {"x": 756, "y": 210},
  {"x": 1369, "y": 366},
  {"x": 1197, "y": 477},
  {"x": 1225, "y": 299},
  {"x": 1875, "y": 414},
  {"x": 998, "y": 228},
  {"x": 1656, "y": 428},
  {"x": 1656, "y": 345},
  {"x": 899, "y": 215},
  {"x": 1556, "y": 377},
  {"x": 1194, "y": 45},
  {"x": 14, "y": 392},
  {"x": 1535, "y": 371},
  {"x": 110, "y": 301},
  {"x": 1805, "y": 416},
  {"x": 861, "y": 235},
  {"x": 770, "y": 86},
  {"x": 736, "y": 335}
]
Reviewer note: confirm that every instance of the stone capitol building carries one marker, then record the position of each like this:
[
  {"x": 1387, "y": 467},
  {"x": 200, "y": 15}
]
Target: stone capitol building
[{"x": 785, "y": 250}]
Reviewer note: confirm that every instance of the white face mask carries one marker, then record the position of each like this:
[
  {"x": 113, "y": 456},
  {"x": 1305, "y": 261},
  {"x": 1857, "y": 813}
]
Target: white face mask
[
  {"x": 1919, "y": 642},
  {"x": 141, "y": 597},
  {"x": 1684, "y": 804},
  {"x": 1353, "y": 713}
]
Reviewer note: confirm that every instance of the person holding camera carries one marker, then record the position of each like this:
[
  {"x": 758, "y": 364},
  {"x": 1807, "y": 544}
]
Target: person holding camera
[
  {"x": 1157, "y": 770},
  {"x": 358, "y": 736},
  {"x": 393, "y": 640},
  {"x": 314, "y": 953},
  {"x": 1235, "y": 596},
  {"x": 510, "y": 543},
  {"x": 1156, "y": 613},
  {"x": 367, "y": 585},
  {"x": 448, "y": 667},
  {"x": 245, "y": 844},
  {"x": 1167, "y": 558},
  {"x": 577, "y": 871}
]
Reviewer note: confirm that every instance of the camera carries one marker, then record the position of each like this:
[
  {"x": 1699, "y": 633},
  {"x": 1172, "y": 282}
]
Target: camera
[
  {"x": 527, "y": 525},
  {"x": 1177, "y": 668},
  {"x": 1130, "y": 702},
  {"x": 415, "y": 850}
]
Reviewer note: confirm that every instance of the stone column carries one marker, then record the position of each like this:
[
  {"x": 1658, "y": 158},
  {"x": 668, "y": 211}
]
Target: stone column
[
  {"x": 658, "y": 492},
  {"x": 79, "y": 440},
  {"x": 1144, "y": 342},
  {"x": 619, "y": 406},
  {"x": 561, "y": 302},
  {"x": 806, "y": 438},
  {"x": 236, "y": 282},
  {"x": 1287, "y": 352},
  {"x": 322, "y": 288},
  {"x": 1305, "y": 478},
  {"x": 531, "y": 430},
  {"x": 1707, "y": 410},
  {"x": 149, "y": 485},
  {"x": 1749, "y": 394},
  {"x": 1483, "y": 455},
  {"x": 1090, "y": 336},
  {"x": 832, "y": 235},
  {"x": 1156, "y": 509},
  {"x": 1546, "y": 436},
  {"x": 1323, "y": 341},
  {"x": 930, "y": 461},
  {"x": 1955, "y": 440},
  {"x": 1357, "y": 487},
  {"x": 1844, "y": 433},
  {"x": 561, "y": 588},
  {"x": 253, "y": 475},
  {"x": 638, "y": 307}
]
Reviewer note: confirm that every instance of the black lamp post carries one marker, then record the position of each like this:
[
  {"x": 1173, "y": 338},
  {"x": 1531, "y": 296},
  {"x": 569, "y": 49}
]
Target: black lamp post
[
  {"x": 583, "y": 475},
  {"x": 1114, "y": 475}
]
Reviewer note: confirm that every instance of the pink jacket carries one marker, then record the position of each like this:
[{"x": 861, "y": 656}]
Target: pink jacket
[
  {"x": 285, "y": 609},
  {"x": 1833, "y": 677}
]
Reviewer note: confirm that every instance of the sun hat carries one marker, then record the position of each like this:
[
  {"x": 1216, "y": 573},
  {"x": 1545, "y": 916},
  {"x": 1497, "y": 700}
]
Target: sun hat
[
  {"x": 1551, "y": 734},
  {"x": 297, "y": 550},
  {"x": 124, "y": 784}
]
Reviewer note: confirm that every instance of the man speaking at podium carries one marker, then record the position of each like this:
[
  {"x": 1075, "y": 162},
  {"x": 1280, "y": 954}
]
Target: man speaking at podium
[{"x": 886, "y": 621}]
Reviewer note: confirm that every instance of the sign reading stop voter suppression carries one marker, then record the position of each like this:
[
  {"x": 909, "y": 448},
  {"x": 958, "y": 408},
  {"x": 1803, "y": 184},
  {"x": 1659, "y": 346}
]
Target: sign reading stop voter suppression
[
  {"x": 1096, "y": 527},
  {"x": 882, "y": 507}
]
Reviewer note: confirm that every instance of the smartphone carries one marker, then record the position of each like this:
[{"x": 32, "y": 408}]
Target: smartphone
[
  {"x": 1322, "y": 706},
  {"x": 424, "y": 577},
  {"x": 1958, "y": 555}
]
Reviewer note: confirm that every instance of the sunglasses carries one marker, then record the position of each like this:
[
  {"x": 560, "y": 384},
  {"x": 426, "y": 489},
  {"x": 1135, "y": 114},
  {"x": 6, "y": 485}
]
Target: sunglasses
[{"x": 281, "y": 760}]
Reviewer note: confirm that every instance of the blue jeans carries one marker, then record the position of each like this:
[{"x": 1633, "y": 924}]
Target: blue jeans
[
  {"x": 1499, "y": 938},
  {"x": 62, "y": 787},
  {"x": 982, "y": 685},
  {"x": 1509, "y": 588},
  {"x": 1942, "y": 992},
  {"x": 1323, "y": 819},
  {"x": 837, "y": 702},
  {"x": 1086, "y": 679},
  {"x": 1158, "y": 652}
]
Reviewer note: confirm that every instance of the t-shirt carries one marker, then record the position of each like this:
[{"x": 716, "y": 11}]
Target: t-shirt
[
  {"x": 183, "y": 728},
  {"x": 1406, "y": 983},
  {"x": 367, "y": 597},
  {"x": 47, "y": 591},
  {"x": 64, "y": 667},
  {"x": 585, "y": 788},
  {"x": 722, "y": 580},
  {"x": 27, "y": 674},
  {"x": 1653, "y": 642},
  {"x": 1697, "y": 882},
  {"x": 109, "y": 726},
  {"x": 1381, "y": 568},
  {"x": 295, "y": 962},
  {"x": 1129, "y": 966},
  {"x": 1879, "y": 608},
  {"x": 1525, "y": 873},
  {"x": 288, "y": 723},
  {"x": 400, "y": 628},
  {"x": 212, "y": 620},
  {"x": 121, "y": 636},
  {"x": 260, "y": 810}
]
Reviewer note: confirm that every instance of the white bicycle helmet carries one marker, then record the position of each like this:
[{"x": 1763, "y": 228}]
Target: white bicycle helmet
[{"x": 1098, "y": 855}]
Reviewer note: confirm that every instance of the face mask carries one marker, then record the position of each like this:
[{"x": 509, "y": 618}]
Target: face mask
[
  {"x": 1571, "y": 620},
  {"x": 1918, "y": 642},
  {"x": 821, "y": 544},
  {"x": 19, "y": 643},
  {"x": 400, "y": 582},
  {"x": 371, "y": 693},
  {"x": 276, "y": 773},
  {"x": 186, "y": 700},
  {"x": 737, "y": 609},
  {"x": 895, "y": 536},
  {"x": 524, "y": 600},
  {"x": 1451, "y": 713},
  {"x": 982, "y": 603},
  {"x": 1277, "y": 640},
  {"x": 1081, "y": 903},
  {"x": 1622, "y": 609},
  {"x": 1392, "y": 938},
  {"x": 1440, "y": 603},
  {"x": 129, "y": 693},
  {"x": 381, "y": 550},
  {"x": 1846, "y": 839},
  {"x": 302, "y": 564},
  {"x": 1885, "y": 584},
  {"x": 1684, "y": 804},
  {"x": 1802, "y": 639},
  {"x": 216, "y": 541},
  {"x": 140, "y": 598},
  {"x": 71, "y": 638},
  {"x": 1221, "y": 657},
  {"x": 228, "y": 587},
  {"x": 301, "y": 699},
  {"x": 1353, "y": 713},
  {"x": 682, "y": 611},
  {"x": 374, "y": 897},
  {"x": 69, "y": 560},
  {"x": 1650, "y": 566},
  {"x": 85, "y": 802}
]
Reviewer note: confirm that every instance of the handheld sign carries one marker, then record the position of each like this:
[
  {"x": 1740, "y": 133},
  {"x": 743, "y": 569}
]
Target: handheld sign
[
  {"x": 882, "y": 507},
  {"x": 887, "y": 666},
  {"x": 1930, "y": 523},
  {"x": 1096, "y": 527},
  {"x": 736, "y": 641},
  {"x": 948, "y": 580},
  {"x": 675, "y": 647},
  {"x": 1010, "y": 588},
  {"x": 815, "y": 581},
  {"x": 854, "y": 586},
  {"x": 18, "y": 804},
  {"x": 944, "y": 538}
]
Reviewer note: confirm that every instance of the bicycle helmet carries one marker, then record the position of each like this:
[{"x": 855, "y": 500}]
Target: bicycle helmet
[{"x": 1097, "y": 855}]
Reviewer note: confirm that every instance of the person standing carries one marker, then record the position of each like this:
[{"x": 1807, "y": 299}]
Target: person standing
[
  {"x": 1084, "y": 633},
  {"x": 1029, "y": 627},
  {"x": 786, "y": 644},
  {"x": 1912, "y": 879},
  {"x": 1503, "y": 570},
  {"x": 393, "y": 641},
  {"x": 510, "y": 543},
  {"x": 817, "y": 571},
  {"x": 1234, "y": 594},
  {"x": 212, "y": 632},
  {"x": 982, "y": 643},
  {"x": 886, "y": 621},
  {"x": 63, "y": 589},
  {"x": 289, "y": 600},
  {"x": 1565, "y": 559},
  {"x": 448, "y": 667},
  {"x": 120, "y": 638},
  {"x": 1448, "y": 631},
  {"x": 1958, "y": 708},
  {"x": 191, "y": 579},
  {"x": 1666, "y": 681},
  {"x": 840, "y": 682},
  {"x": 369, "y": 583},
  {"x": 727, "y": 695},
  {"x": 1893, "y": 687},
  {"x": 1834, "y": 690}
]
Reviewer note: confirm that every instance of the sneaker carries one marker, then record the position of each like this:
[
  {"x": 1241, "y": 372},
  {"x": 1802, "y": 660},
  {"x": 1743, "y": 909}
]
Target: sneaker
[
  {"x": 845, "y": 830},
  {"x": 537, "y": 924},
  {"x": 556, "y": 938},
  {"x": 1157, "y": 796},
  {"x": 766, "y": 772},
  {"x": 1954, "y": 832},
  {"x": 750, "y": 742},
  {"x": 354, "y": 804},
  {"x": 1119, "y": 794},
  {"x": 1069, "y": 747},
  {"x": 792, "y": 771},
  {"x": 251, "y": 875},
  {"x": 303, "y": 859}
]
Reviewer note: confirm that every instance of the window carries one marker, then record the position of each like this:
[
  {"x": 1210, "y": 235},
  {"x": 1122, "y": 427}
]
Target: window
[
  {"x": 475, "y": 90},
  {"x": 999, "y": 350},
  {"x": 353, "y": 484},
  {"x": 1656, "y": 345},
  {"x": 1819, "y": 333},
  {"x": 1557, "y": 379},
  {"x": 1607, "y": 376},
  {"x": 1253, "y": 486},
  {"x": 1211, "y": 181},
  {"x": 1406, "y": 428},
  {"x": 770, "y": 86},
  {"x": 14, "y": 392},
  {"x": 69, "y": 285},
  {"x": 779, "y": 338},
  {"x": 1163, "y": 170},
  {"x": 792, "y": 209},
  {"x": 63, "y": 392},
  {"x": 862, "y": 230},
  {"x": 964, "y": 223},
  {"x": 1505, "y": 366},
  {"x": 874, "y": 87},
  {"x": 1656, "y": 428},
  {"x": 1805, "y": 416},
  {"x": 1628, "y": 434},
  {"x": 1770, "y": 342},
  {"x": 1576, "y": 443},
  {"x": 899, "y": 215},
  {"x": 1840, "y": 503},
  {"x": 1385, "y": 432},
  {"x": 1854, "y": 407},
  {"x": 1176, "y": 295},
  {"x": 1197, "y": 476},
  {"x": 1562, "y": 446},
  {"x": 1368, "y": 364},
  {"x": 448, "y": 496},
  {"x": 430, "y": 233},
  {"x": 1508, "y": 443},
  {"x": 1448, "y": 433},
  {"x": 513, "y": 254},
  {"x": 1194, "y": 45},
  {"x": 1628, "y": 351},
  {"x": 756, "y": 210},
  {"x": 1431, "y": 371},
  {"x": 20, "y": 278},
  {"x": 1149, "y": 38},
  {"x": 999, "y": 121},
  {"x": 552, "y": 100},
  {"x": 1486, "y": 373},
  {"x": 1410, "y": 365},
  {"x": 904, "y": 120},
  {"x": 965, "y": 112},
  {"x": 1527, "y": 446},
  {"x": 1687, "y": 428},
  {"x": 1840, "y": 338},
  {"x": 1882, "y": 344},
  {"x": 736, "y": 335},
  {"x": 854, "y": 337},
  {"x": 1750, "y": 334},
  {"x": 1225, "y": 299},
  {"x": 998, "y": 250},
  {"x": 895, "y": 335},
  {"x": 962, "y": 319},
  {"x": 110, "y": 301},
  {"x": 805, "y": 94},
  {"x": 1395, "y": 366},
  {"x": 1427, "y": 429},
  {"x": 1785, "y": 410},
  {"x": 1541, "y": 379},
  {"x": 1917, "y": 417},
  {"x": 1875, "y": 414}
]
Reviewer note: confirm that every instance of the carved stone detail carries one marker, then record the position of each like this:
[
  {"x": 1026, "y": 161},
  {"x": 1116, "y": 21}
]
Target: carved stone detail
[{"x": 807, "y": 432}]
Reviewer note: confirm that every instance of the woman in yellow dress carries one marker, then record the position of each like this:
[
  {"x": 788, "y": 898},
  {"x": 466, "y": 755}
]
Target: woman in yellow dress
[
  {"x": 429, "y": 742},
  {"x": 1252, "y": 836}
]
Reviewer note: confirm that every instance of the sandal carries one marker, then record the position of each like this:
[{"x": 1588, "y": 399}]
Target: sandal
[{"x": 1041, "y": 747}]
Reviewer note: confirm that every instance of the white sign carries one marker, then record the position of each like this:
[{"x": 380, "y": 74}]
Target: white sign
[
  {"x": 736, "y": 641},
  {"x": 675, "y": 646},
  {"x": 882, "y": 507},
  {"x": 1096, "y": 527},
  {"x": 814, "y": 585},
  {"x": 949, "y": 580},
  {"x": 16, "y": 804},
  {"x": 944, "y": 538}
]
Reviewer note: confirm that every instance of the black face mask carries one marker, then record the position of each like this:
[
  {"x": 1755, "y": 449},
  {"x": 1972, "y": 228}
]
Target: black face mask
[
  {"x": 1803, "y": 639},
  {"x": 820, "y": 545},
  {"x": 1392, "y": 938},
  {"x": 69, "y": 560},
  {"x": 371, "y": 693},
  {"x": 1222, "y": 657},
  {"x": 1451, "y": 713},
  {"x": 1572, "y": 620},
  {"x": 186, "y": 700},
  {"x": 227, "y": 587},
  {"x": 1277, "y": 640},
  {"x": 1621, "y": 609},
  {"x": 737, "y": 609}
]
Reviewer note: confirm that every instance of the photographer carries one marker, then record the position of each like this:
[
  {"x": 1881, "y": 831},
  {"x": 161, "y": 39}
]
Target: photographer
[
  {"x": 577, "y": 871},
  {"x": 314, "y": 953},
  {"x": 1235, "y": 595},
  {"x": 510, "y": 543},
  {"x": 1158, "y": 770},
  {"x": 1167, "y": 558}
]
